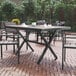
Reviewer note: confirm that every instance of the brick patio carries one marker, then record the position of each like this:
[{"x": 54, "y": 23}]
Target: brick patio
[{"x": 28, "y": 62}]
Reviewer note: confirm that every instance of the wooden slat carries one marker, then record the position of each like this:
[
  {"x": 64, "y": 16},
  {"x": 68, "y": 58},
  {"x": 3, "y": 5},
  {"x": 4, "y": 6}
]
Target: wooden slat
[{"x": 28, "y": 62}]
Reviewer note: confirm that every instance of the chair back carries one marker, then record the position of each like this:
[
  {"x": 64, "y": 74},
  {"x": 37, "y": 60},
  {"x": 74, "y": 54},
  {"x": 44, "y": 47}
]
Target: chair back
[
  {"x": 69, "y": 42},
  {"x": 9, "y": 29},
  {"x": 40, "y": 22}
]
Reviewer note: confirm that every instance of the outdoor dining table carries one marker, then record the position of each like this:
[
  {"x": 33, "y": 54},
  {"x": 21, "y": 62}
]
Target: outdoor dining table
[{"x": 37, "y": 29}]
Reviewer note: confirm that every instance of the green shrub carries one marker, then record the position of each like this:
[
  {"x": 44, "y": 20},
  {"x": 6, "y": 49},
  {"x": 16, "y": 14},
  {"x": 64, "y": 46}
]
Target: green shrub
[
  {"x": 67, "y": 13},
  {"x": 7, "y": 8},
  {"x": 28, "y": 10}
]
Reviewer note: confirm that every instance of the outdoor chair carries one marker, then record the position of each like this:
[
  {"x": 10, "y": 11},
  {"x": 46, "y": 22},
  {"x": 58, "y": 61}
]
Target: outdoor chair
[
  {"x": 58, "y": 35},
  {"x": 8, "y": 34},
  {"x": 6, "y": 41},
  {"x": 11, "y": 31},
  {"x": 59, "y": 23},
  {"x": 44, "y": 33},
  {"x": 69, "y": 42}
]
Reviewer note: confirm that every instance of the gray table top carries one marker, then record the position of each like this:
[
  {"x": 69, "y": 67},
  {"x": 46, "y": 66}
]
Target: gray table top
[{"x": 29, "y": 27}]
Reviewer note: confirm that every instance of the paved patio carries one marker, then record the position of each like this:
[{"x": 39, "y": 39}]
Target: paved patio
[{"x": 28, "y": 62}]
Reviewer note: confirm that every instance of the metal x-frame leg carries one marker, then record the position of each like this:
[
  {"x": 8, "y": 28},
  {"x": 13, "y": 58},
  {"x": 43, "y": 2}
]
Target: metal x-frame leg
[
  {"x": 25, "y": 39},
  {"x": 47, "y": 45}
]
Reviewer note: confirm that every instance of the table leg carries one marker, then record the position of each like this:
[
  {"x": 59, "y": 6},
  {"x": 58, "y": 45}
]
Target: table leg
[
  {"x": 47, "y": 45},
  {"x": 18, "y": 51},
  {"x": 24, "y": 40},
  {"x": 52, "y": 52},
  {"x": 41, "y": 57}
]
